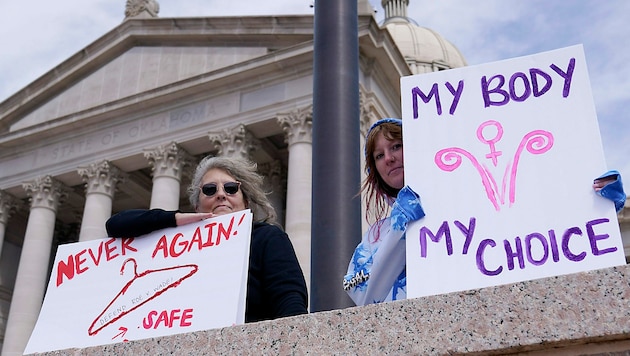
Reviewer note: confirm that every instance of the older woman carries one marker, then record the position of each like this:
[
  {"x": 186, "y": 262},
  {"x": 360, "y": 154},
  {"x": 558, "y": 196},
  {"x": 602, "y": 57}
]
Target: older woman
[{"x": 275, "y": 284}]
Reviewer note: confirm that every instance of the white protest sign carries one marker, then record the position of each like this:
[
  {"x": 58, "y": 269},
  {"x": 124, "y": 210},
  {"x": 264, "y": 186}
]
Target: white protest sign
[
  {"x": 171, "y": 281},
  {"x": 503, "y": 156}
]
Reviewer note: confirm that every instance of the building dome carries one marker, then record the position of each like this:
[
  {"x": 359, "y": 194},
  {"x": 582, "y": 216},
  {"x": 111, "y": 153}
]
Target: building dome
[{"x": 424, "y": 49}]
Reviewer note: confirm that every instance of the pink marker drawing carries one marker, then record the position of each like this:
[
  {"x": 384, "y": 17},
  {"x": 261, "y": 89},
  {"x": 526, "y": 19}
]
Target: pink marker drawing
[{"x": 535, "y": 142}]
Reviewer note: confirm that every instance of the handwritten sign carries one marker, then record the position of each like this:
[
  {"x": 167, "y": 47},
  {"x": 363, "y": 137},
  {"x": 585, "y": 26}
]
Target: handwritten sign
[
  {"x": 171, "y": 281},
  {"x": 503, "y": 156}
]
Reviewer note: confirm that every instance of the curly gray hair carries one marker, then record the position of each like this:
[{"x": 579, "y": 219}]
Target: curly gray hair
[{"x": 251, "y": 185}]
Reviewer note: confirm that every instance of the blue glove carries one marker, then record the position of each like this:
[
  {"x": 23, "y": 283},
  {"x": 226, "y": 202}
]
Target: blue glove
[
  {"x": 406, "y": 208},
  {"x": 614, "y": 190}
]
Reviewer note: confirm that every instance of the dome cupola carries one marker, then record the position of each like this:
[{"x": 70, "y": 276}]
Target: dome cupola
[{"x": 424, "y": 49}]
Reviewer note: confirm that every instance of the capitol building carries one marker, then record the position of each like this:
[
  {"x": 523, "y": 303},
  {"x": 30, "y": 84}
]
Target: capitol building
[{"x": 122, "y": 123}]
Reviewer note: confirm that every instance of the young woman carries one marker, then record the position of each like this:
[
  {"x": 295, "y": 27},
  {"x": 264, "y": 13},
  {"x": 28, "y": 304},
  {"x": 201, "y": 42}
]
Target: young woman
[
  {"x": 376, "y": 272},
  {"x": 275, "y": 284},
  {"x": 378, "y": 277}
]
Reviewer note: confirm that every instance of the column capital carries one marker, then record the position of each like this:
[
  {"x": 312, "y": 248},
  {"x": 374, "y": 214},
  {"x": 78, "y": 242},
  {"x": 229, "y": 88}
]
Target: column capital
[
  {"x": 168, "y": 160},
  {"x": 45, "y": 192},
  {"x": 102, "y": 177},
  {"x": 234, "y": 142},
  {"x": 8, "y": 205},
  {"x": 367, "y": 111},
  {"x": 297, "y": 125}
]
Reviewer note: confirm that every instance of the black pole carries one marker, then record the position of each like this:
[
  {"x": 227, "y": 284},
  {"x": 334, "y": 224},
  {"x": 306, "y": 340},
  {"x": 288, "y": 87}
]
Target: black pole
[{"x": 336, "y": 216}]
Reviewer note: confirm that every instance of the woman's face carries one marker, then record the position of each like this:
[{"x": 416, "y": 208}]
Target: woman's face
[
  {"x": 215, "y": 199},
  {"x": 388, "y": 157}
]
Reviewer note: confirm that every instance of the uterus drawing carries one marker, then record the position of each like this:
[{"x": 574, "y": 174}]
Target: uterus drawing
[{"x": 536, "y": 142}]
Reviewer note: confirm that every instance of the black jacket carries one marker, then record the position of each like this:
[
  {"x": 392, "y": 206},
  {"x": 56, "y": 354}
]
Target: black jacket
[{"x": 275, "y": 285}]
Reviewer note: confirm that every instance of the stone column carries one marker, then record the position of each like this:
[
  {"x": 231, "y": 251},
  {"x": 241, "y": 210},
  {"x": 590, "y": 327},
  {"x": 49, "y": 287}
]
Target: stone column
[
  {"x": 8, "y": 204},
  {"x": 168, "y": 162},
  {"x": 297, "y": 126},
  {"x": 100, "y": 182},
  {"x": 30, "y": 284},
  {"x": 234, "y": 142},
  {"x": 274, "y": 184}
]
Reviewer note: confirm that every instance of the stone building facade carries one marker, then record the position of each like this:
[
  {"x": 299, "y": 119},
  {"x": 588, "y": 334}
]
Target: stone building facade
[{"x": 121, "y": 124}]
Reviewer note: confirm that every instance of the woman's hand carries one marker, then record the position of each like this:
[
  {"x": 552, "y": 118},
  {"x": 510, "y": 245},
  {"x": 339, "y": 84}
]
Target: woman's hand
[
  {"x": 189, "y": 218},
  {"x": 609, "y": 186},
  {"x": 600, "y": 183}
]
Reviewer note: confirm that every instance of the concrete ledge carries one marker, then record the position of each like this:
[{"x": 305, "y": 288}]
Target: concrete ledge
[{"x": 586, "y": 313}]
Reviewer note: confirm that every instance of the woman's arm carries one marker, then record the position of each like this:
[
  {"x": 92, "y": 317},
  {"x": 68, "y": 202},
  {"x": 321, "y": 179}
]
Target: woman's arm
[
  {"x": 610, "y": 186},
  {"x": 378, "y": 262},
  {"x": 138, "y": 222}
]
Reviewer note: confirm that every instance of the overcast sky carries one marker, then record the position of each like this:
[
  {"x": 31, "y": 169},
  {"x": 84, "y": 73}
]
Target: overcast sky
[{"x": 36, "y": 36}]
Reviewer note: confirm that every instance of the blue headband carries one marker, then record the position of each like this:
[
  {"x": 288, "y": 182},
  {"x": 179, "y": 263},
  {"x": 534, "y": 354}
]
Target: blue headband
[{"x": 379, "y": 123}]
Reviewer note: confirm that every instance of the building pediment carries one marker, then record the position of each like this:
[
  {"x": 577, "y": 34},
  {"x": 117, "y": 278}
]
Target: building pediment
[
  {"x": 247, "y": 69},
  {"x": 142, "y": 55}
]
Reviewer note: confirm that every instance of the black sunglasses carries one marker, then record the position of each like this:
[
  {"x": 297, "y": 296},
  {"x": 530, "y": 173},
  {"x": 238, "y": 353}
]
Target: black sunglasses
[{"x": 230, "y": 188}]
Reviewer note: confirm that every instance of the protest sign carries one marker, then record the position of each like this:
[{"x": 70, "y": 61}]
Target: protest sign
[
  {"x": 503, "y": 156},
  {"x": 175, "y": 280}
]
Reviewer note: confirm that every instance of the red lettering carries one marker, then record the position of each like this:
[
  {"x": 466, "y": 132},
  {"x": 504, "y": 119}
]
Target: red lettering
[
  {"x": 224, "y": 232},
  {"x": 65, "y": 269},
  {"x": 100, "y": 253},
  {"x": 174, "y": 316},
  {"x": 79, "y": 261},
  {"x": 162, "y": 245},
  {"x": 109, "y": 251},
  {"x": 185, "y": 317},
  {"x": 163, "y": 318},
  {"x": 196, "y": 239},
  {"x": 174, "y": 243},
  {"x": 148, "y": 321},
  {"x": 126, "y": 245},
  {"x": 209, "y": 227},
  {"x": 168, "y": 318}
]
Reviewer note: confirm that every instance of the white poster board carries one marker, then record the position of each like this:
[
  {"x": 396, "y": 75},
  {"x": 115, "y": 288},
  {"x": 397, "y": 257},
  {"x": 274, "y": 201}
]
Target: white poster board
[
  {"x": 175, "y": 280},
  {"x": 503, "y": 156}
]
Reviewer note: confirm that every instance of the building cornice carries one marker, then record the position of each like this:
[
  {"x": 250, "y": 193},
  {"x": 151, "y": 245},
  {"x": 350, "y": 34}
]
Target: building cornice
[{"x": 273, "y": 32}]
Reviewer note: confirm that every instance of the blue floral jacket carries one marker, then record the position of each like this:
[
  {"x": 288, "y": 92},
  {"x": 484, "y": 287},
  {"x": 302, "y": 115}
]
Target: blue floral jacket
[{"x": 376, "y": 272}]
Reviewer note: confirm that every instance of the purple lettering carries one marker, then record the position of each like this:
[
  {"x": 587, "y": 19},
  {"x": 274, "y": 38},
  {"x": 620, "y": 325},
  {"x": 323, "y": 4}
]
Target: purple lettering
[
  {"x": 480, "y": 264},
  {"x": 528, "y": 248},
  {"x": 593, "y": 238},
  {"x": 443, "y": 231},
  {"x": 568, "y": 76},
  {"x": 485, "y": 88},
  {"x": 535, "y": 73},
  {"x": 416, "y": 92},
  {"x": 468, "y": 231},
  {"x": 511, "y": 254},
  {"x": 457, "y": 93},
  {"x": 526, "y": 88},
  {"x": 554, "y": 246},
  {"x": 565, "y": 245}
]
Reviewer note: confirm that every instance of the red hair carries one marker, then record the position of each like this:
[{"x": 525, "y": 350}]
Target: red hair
[{"x": 376, "y": 192}]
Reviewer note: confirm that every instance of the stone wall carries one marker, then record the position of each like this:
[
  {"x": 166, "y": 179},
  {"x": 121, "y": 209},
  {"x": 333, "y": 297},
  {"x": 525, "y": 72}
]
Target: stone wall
[{"x": 585, "y": 313}]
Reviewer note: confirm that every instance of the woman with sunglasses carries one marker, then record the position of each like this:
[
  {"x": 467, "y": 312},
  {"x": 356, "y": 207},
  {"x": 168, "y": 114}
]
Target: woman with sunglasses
[
  {"x": 275, "y": 284},
  {"x": 377, "y": 270}
]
